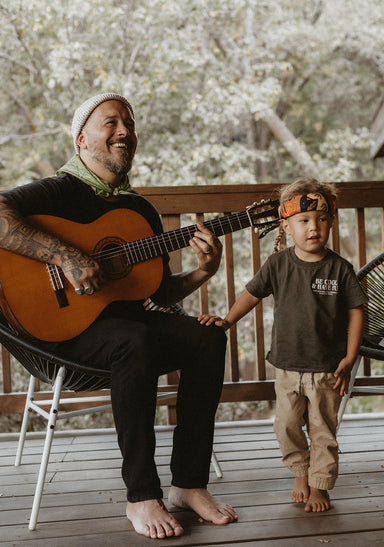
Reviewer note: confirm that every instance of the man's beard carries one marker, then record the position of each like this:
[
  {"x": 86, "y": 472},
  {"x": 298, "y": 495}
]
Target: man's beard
[
  {"x": 116, "y": 166},
  {"x": 119, "y": 167}
]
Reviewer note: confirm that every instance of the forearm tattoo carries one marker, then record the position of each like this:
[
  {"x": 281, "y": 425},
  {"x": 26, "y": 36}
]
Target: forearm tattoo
[
  {"x": 22, "y": 238},
  {"x": 73, "y": 261}
]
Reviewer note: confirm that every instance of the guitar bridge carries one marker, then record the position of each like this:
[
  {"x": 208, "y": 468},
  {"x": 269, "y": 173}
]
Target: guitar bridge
[
  {"x": 61, "y": 298},
  {"x": 57, "y": 284}
]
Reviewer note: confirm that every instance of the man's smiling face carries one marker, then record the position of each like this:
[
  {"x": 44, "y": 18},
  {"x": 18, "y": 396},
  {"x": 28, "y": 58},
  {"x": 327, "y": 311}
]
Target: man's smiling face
[{"x": 108, "y": 138}]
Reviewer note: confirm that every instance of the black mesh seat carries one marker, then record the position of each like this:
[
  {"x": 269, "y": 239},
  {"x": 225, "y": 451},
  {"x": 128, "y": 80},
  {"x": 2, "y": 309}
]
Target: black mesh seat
[{"x": 45, "y": 366}]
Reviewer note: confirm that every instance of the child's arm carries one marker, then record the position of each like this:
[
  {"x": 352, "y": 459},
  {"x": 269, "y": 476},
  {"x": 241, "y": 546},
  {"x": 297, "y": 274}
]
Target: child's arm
[
  {"x": 244, "y": 304},
  {"x": 355, "y": 329}
]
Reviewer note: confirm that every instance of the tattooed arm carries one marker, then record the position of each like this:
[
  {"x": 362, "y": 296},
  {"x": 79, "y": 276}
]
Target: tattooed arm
[{"x": 18, "y": 236}]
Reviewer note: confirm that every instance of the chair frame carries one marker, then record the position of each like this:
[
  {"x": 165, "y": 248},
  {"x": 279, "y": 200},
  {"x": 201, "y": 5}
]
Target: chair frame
[{"x": 367, "y": 348}]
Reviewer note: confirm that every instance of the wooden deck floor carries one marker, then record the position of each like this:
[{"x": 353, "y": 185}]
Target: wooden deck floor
[{"x": 84, "y": 499}]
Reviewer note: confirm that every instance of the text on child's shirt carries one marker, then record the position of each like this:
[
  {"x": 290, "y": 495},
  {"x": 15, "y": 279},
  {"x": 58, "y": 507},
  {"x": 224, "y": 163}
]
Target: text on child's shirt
[{"x": 325, "y": 286}]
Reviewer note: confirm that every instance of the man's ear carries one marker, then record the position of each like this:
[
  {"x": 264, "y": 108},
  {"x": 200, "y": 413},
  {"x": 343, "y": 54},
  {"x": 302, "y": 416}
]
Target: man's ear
[
  {"x": 81, "y": 140},
  {"x": 285, "y": 225}
]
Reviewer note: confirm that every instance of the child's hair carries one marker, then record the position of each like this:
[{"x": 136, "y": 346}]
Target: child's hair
[{"x": 305, "y": 185}]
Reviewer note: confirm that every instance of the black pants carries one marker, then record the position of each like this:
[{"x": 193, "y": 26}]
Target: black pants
[{"x": 138, "y": 346}]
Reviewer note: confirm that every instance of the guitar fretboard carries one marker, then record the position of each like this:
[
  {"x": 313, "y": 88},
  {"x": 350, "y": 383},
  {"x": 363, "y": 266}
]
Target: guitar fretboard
[{"x": 157, "y": 245}]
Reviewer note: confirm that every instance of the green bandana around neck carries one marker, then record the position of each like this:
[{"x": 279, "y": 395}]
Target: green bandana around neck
[{"x": 77, "y": 168}]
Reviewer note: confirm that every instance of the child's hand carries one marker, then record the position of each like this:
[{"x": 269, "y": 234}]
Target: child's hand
[
  {"x": 207, "y": 319},
  {"x": 343, "y": 375}
]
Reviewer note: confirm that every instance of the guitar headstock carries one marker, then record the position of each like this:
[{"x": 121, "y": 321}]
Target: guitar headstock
[{"x": 264, "y": 216}]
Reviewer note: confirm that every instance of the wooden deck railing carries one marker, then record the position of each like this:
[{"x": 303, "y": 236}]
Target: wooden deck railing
[{"x": 359, "y": 203}]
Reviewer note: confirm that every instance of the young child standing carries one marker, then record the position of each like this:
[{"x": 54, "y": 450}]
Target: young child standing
[{"x": 316, "y": 336}]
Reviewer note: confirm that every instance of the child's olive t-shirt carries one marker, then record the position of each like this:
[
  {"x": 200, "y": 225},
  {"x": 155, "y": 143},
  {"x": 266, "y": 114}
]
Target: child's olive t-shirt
[{"x": 311, "y": 303}]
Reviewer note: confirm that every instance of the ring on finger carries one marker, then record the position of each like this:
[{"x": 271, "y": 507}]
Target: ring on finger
[
  {"x": 89, "y": 290},
  {"x": 80, "y": 290},
  {"x": 209, "y": 252}
]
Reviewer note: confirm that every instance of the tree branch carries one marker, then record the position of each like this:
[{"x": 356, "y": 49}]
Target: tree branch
[{"x": 290, "y": 143}]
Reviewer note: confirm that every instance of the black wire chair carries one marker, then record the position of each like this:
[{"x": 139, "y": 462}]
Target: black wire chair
[
  {"x": 371, "y": 278},
  {"x": 62, "y": 374}
]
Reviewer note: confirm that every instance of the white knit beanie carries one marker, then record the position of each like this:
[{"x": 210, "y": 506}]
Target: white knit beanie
[{"x": 85, "y": 110}]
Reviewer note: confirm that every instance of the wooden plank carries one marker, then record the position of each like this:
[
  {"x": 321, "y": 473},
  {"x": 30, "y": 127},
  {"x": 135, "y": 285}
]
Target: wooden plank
[
  {"x": 236, "y": 197},
  {"x": 361, "y": 238},
  {"x": 6, "y": 368},
  {"x": 258, "y": 311},
  {"x": 231, "y": 297},
  {"x": 172, "y": 222},
  {"x": 203, "y": 290},
  {"x": 382, "y": 228},
  {"x": 248, "y": 512},
  {"x": 232, "y": 392},
  {"x": 232, "y": 483},
  {"x": 204, "y": 533},
  {"x": 355, "y": 539},
  {"x": 230, "y": 461},
  {"x": 335, "y": 234},
  {"x": 360, "y": 539}
]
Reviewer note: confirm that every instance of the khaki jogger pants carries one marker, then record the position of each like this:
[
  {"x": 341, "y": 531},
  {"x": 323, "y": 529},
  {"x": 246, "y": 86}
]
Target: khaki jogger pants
[{"x": 308, "y": 399}]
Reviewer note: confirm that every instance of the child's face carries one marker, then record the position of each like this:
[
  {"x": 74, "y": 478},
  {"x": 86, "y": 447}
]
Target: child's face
[{"x": 310, "y": 233}]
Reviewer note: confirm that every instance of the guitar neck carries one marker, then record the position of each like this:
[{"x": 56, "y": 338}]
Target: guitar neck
[{"x": 151, "y": 247}]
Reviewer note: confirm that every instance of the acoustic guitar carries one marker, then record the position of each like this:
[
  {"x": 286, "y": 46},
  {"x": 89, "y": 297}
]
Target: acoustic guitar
[{"x": 38, "y": 300}]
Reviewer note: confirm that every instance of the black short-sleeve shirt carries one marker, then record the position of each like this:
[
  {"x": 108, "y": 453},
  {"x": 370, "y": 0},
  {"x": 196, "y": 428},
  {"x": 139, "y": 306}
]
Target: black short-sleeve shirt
[{"x": 311, "y": 303}]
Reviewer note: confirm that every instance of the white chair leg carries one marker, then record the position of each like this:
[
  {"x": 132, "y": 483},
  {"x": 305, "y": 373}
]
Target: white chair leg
[
  {"x": 24, "y": 424},
  {"x": 47, "y": 447},
  {"x": 216, "y": 465},
  {"x": 346, "y": 397}
]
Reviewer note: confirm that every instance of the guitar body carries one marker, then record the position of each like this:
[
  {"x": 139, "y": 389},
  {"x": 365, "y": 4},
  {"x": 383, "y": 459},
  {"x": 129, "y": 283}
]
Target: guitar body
[{"x": 27, "y": 295}]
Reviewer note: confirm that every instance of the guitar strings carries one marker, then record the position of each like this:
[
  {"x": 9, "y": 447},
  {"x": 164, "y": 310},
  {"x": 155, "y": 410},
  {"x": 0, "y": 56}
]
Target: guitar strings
[
  {"x": 174, "y": 237},
  {"x": 155, "y": 245},
  {"x": 54, "y": 275}
]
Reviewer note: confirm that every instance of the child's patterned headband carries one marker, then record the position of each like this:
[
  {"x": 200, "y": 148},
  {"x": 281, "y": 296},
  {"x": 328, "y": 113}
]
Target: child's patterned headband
[{"x": 315, "y": 201}]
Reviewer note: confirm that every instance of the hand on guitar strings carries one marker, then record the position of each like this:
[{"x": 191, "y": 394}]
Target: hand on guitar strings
[
  {"x": 83, "y": 272},
  {"x": 207, "y": 247}
]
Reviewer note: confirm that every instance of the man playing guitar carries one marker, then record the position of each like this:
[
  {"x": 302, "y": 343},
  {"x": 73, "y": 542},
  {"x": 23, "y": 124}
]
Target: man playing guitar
[{"x": 136, "y": 344}]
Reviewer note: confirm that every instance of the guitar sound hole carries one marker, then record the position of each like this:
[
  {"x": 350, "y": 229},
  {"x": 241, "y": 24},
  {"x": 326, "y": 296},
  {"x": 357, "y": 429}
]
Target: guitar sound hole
[{"x": 109, "y": 252}]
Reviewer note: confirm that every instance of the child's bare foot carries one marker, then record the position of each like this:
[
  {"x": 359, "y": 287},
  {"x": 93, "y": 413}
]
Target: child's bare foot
[
  {"x": 150, "y": 518},
  {"x": 300, "y": 491},
  {"x": 318, "y": 501},
  {"x": 205, "y": 505}
]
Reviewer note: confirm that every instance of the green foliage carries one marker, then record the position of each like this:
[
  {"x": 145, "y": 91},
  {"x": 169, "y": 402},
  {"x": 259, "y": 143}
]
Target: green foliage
[{"x": 201, "y": 75}]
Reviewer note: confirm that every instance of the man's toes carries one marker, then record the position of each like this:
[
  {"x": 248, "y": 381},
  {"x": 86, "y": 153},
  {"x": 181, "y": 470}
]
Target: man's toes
[
  {"x": 178, "y": 530},
  {"x": 145, "y": 531},
  {"x": 152, "y": 531},
  {"x": 169, "y": 531},
  {"x": 229, "y": 511},
  {"x": 219, "y": 518}
]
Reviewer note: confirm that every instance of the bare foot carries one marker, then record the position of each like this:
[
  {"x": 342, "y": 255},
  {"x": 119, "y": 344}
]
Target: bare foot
[
  {"x": 300, "y": 490},
  {"x": 318, "y": 501},
  {"x": 150, "y": 518},
  {"x": 205, "y": 505}
]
